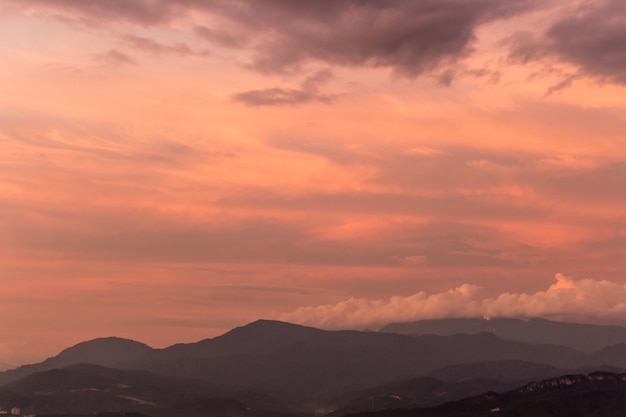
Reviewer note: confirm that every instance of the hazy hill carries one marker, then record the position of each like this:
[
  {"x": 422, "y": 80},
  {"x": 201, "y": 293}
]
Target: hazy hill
[
  {"x": 102, "y": 351},
  {"x": 596, "y": 395},
  {"x": 85, "y": 389},
  {"x": 614, "y": 355},
  {"x": 503, "y": 370},
  {"x": 584, "y": 337}
]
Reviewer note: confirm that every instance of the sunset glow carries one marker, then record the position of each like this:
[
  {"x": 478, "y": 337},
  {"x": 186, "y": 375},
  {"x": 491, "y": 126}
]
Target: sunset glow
[{"x": 170, "y": 169}]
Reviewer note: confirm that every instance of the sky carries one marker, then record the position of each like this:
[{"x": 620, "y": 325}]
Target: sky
[{"x": 171, "y": 169}]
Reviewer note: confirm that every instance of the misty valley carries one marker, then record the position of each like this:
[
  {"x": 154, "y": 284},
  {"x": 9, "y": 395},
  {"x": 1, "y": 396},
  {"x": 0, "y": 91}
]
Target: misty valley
[{"x": 447, "y": 367}]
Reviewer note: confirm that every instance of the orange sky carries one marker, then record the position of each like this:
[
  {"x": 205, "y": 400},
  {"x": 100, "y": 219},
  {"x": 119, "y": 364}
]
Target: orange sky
[{"x": 170, "y": 169}]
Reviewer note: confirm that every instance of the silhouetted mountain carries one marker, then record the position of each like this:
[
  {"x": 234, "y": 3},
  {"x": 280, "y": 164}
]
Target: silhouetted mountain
[
  {"x": 310, "y": 363},
  {"x": 85, "y": 389},
  {"x": 250, "y": 366},
  {"x": 103, "y": 351},
  {"x": 258, "y": 337},
  {"x": 584, "y": 337},
  {"x": 599, "y": 394}
]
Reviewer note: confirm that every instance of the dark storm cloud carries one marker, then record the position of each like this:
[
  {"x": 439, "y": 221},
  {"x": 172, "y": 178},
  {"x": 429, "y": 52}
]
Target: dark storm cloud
[
  {"x": 409, "y": 37},
  {"x": 592, "y": 38}
]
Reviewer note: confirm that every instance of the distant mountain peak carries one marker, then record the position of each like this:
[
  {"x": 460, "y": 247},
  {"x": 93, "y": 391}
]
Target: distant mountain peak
[
  {"x": 265, "y": 330},
  {"x": 272, "y": 324},
  {"x": 269, "y": 328},
  {"x": 103, "y": 351}
]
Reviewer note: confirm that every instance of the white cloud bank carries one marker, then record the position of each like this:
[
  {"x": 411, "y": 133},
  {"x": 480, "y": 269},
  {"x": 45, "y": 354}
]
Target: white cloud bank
[{"x": 583, "y": 300}]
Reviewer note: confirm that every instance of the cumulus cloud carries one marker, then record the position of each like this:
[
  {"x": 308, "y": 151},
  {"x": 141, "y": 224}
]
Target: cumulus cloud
[
  {"x": 566, "y": 299},
  {"x": 591, "y": 38}
]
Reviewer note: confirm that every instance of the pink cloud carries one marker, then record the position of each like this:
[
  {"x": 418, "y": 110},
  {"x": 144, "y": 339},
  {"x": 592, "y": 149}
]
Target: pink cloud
[{"x": 566, "y": 299}]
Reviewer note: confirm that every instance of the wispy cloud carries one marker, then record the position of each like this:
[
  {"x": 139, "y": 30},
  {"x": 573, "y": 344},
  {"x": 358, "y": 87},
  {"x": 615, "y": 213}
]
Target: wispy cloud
[
  {"x": 115, "y": 58},
  {"x": 151, "y": 46},
  {"x": 309, "y": 91}
]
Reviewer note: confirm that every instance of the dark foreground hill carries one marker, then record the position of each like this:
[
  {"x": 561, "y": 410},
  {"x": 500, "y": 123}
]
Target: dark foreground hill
[
  {"x": 86, "y": 389},
  {"x": 599, "y": 394},
  {"x": 79, "y": 390},
  {"x": 584, "y": 337}
]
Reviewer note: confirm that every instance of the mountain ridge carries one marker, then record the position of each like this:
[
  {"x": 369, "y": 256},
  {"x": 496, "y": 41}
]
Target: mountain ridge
[
  {"x": 583, "y": 337},
  {"x": 307, "y": 366}
]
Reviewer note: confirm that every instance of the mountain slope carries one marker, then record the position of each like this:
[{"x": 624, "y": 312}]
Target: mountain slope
[{"x": 102, "y": 351}]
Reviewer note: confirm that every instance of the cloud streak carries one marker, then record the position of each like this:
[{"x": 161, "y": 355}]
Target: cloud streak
[
  {"x": 308, "y": 92},
  {"x": 144, "y": 12},
  {"x": 154, "y": 47},
  {"x": 566, "y": 299}
]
